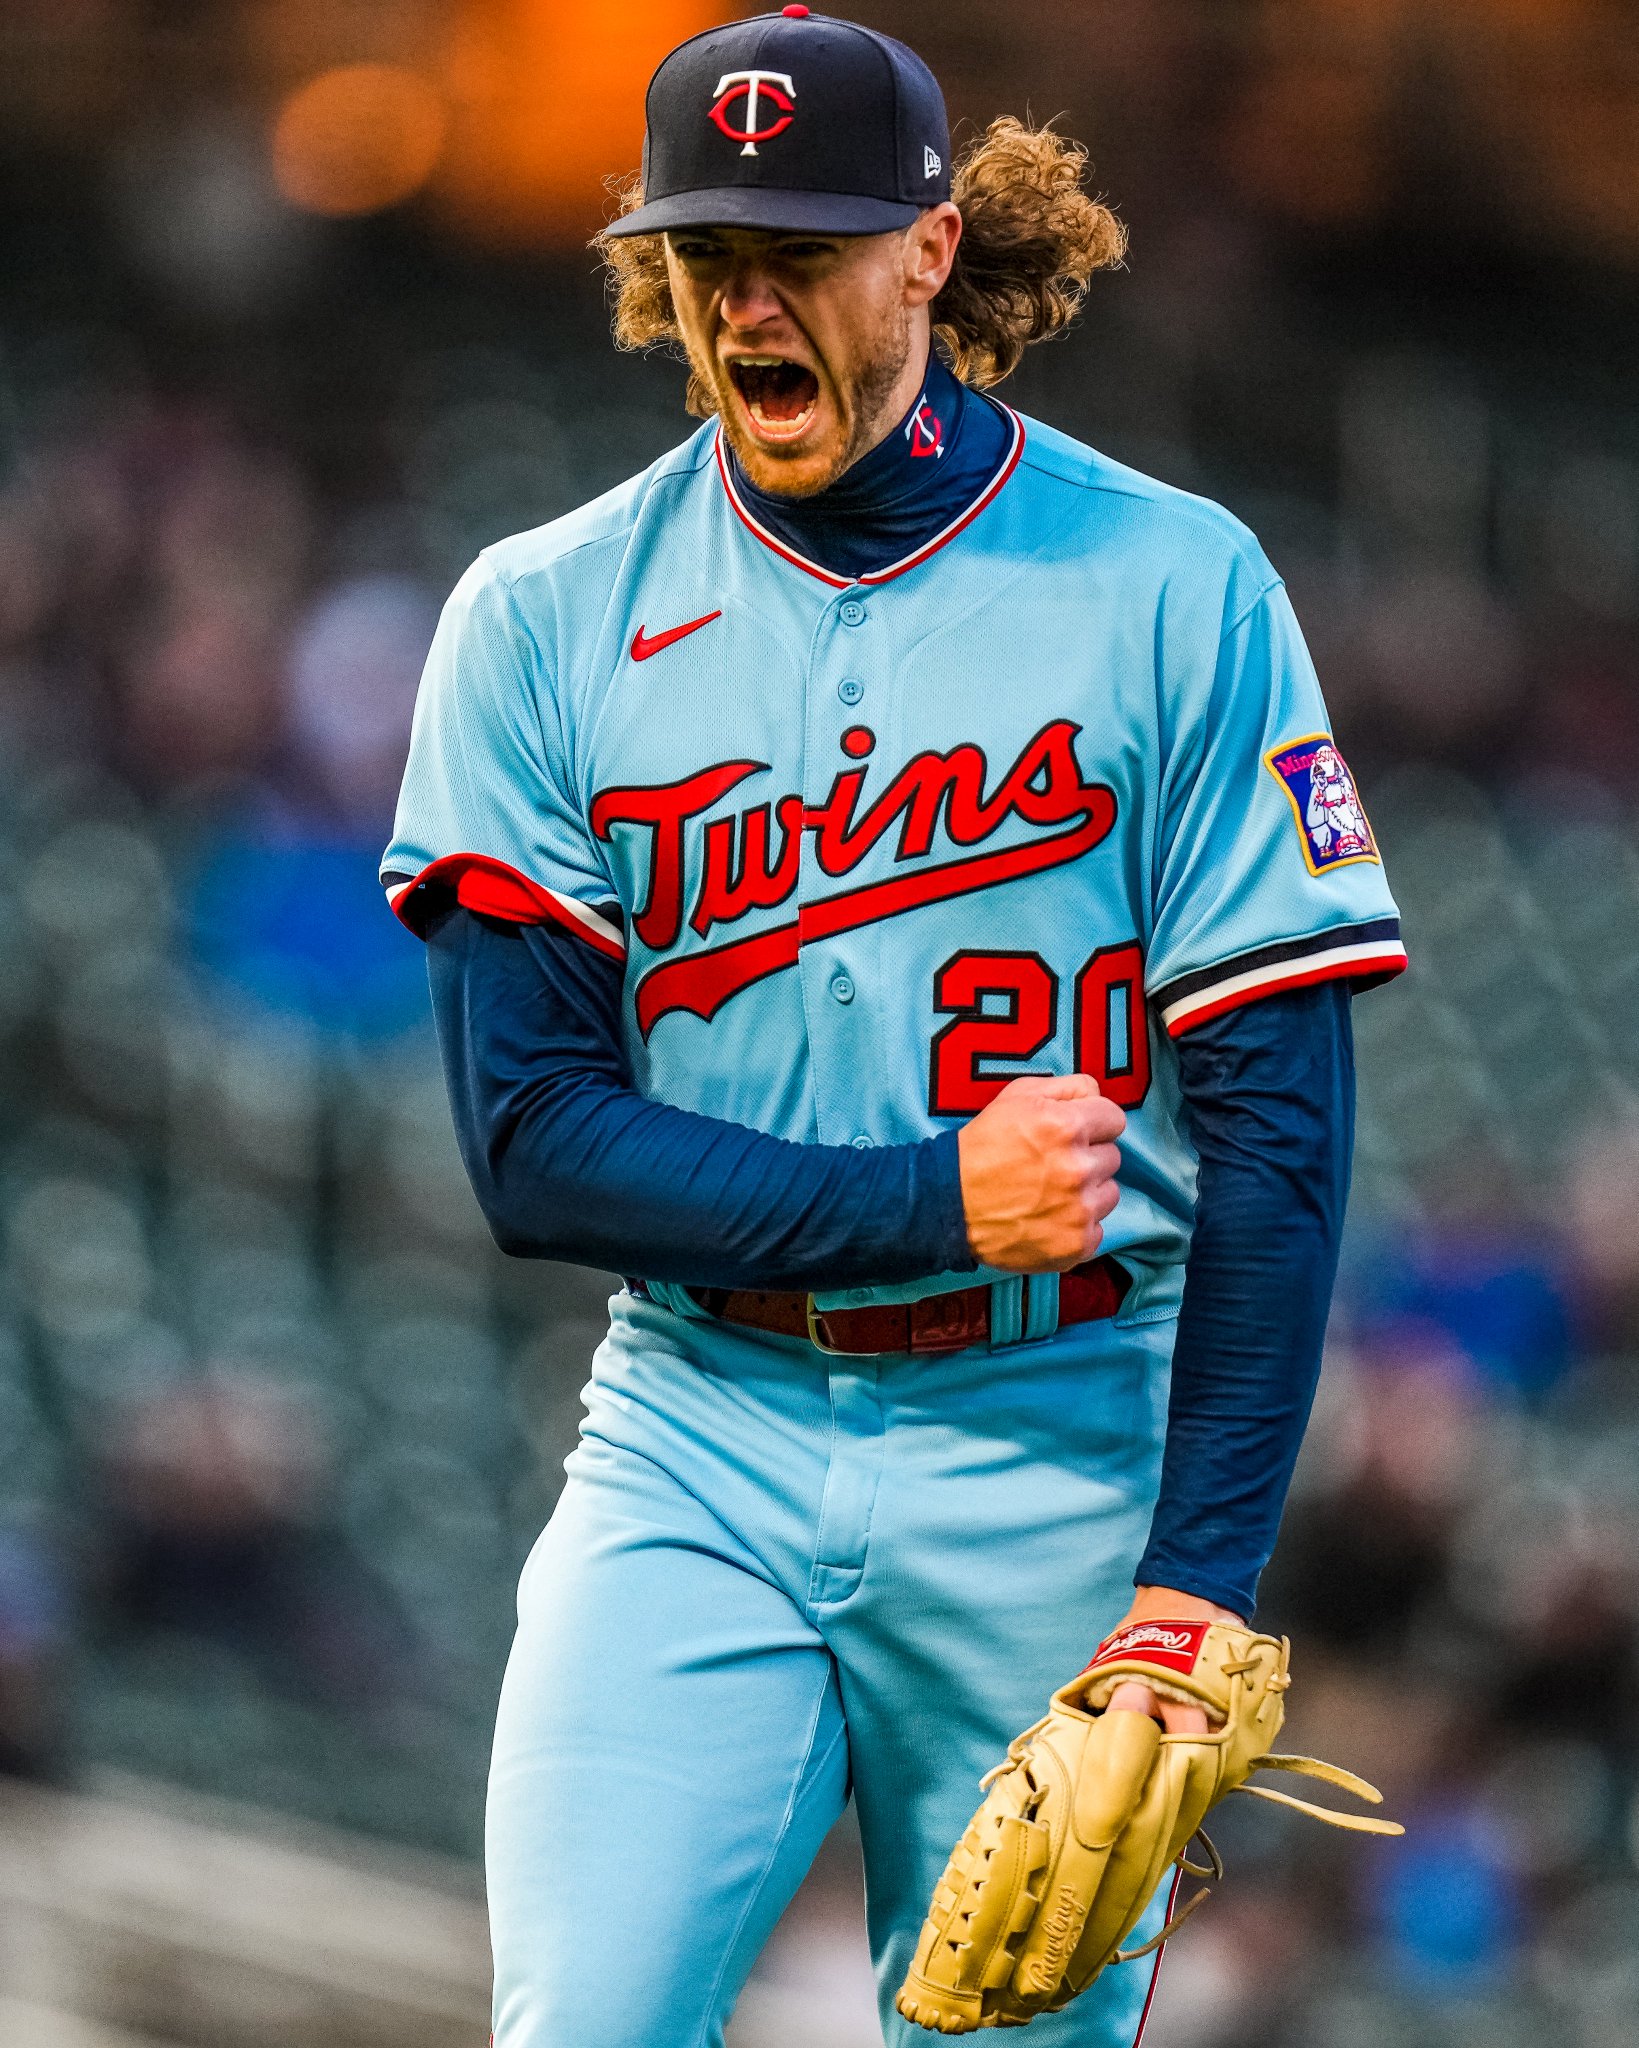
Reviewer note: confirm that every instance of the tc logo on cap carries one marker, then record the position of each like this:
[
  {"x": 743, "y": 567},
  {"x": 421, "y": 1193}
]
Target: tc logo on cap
[{"x": 752, "y": 86}]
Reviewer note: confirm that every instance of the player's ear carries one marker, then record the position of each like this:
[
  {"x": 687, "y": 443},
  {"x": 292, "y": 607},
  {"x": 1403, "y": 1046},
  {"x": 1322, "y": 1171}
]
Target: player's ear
[{"x": 930, "y": 250}]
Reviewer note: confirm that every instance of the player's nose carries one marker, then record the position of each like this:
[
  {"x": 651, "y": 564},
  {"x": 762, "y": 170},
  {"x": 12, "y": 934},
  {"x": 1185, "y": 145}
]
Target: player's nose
[{"x": 749, "y": 299}]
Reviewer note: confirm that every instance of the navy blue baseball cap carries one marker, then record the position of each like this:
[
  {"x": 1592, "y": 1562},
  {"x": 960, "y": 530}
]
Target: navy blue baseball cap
[{"x": 791, "y": 121}]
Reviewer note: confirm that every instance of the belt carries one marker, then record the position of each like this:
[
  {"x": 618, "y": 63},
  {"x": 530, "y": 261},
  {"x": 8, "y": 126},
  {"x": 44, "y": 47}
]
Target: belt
[{"x": 938, "y": 1322}]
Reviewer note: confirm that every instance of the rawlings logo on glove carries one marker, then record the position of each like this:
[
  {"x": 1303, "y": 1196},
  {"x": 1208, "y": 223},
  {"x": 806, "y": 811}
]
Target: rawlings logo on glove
[
  {"x": 1088, "y": 1813},
  {"x": 1177, "y": 1644}
]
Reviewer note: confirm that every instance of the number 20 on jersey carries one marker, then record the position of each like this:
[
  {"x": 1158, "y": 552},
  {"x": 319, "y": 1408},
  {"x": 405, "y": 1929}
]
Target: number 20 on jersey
[{"x": 1005, "y": 1006}]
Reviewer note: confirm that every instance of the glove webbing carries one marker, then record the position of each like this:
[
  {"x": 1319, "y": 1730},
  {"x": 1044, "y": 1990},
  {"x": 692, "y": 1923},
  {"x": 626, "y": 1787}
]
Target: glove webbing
[{"x": 1310, "y": 1767}]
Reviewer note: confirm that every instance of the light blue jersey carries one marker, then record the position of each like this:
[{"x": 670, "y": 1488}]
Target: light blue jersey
[{"x": 1036, "y": 800}]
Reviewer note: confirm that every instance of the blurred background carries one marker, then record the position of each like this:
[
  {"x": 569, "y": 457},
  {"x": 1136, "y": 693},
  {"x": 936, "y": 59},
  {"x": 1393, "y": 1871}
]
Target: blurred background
[{"x": 297, "y": 315}]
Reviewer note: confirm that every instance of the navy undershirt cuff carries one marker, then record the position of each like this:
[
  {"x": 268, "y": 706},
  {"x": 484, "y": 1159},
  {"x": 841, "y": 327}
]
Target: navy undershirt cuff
[
  {"x": 1180, "y": 1575},
  {"x": 942, "y": 1191}
]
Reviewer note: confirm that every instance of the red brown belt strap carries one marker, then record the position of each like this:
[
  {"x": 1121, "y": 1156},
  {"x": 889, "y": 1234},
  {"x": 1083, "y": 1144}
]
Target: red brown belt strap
[{"x": 938, "y": 1322}]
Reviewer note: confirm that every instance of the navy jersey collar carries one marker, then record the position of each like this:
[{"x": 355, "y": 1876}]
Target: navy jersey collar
[{"x": 916, "y": 489}]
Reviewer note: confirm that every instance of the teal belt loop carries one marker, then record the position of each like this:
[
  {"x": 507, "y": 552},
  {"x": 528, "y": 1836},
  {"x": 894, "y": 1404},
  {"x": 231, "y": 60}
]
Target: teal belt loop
[
  {"x": 1006, "y": 1311},
  {"x": 1041, "y": 1311},
  {"x": 670, "y": 1294}
]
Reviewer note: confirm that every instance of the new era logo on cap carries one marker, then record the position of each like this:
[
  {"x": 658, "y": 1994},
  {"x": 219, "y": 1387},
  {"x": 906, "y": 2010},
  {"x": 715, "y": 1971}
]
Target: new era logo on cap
[{"x": 791, "y": 121}]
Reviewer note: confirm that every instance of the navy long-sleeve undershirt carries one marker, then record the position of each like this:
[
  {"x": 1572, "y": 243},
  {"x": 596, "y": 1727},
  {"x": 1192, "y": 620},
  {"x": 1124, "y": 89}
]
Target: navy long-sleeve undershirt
[
  {"x": 1269, "y": 1091},
  {"x": 569, "y": 1162}
]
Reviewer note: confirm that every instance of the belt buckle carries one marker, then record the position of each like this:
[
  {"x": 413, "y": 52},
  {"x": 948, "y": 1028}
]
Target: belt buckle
[{"x": 816, "y": 1335}]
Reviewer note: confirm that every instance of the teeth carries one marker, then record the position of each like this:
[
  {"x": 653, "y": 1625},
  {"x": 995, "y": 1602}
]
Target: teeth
[
  {"x": 773, "y": 426},
  {"x": 785, "y": 427}
]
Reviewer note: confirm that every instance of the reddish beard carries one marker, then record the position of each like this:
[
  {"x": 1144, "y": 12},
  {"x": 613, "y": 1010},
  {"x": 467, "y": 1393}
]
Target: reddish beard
[{"x": 870, "y": 389}]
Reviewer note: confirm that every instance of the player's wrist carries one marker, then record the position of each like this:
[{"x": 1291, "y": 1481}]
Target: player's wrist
[{"x": 1166, "y": 1603}]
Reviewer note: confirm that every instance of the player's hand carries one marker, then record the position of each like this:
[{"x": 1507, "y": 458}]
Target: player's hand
[
  {"x": 1134, "y": 1696},
  {"x": 1038, "y": 1173}
]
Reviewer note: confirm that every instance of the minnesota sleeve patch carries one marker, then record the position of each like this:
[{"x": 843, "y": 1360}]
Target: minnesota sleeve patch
[{"x": 1331, "y": 819}]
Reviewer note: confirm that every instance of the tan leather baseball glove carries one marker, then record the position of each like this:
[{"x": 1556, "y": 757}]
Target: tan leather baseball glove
[{"x": 1087, "y": 1814}]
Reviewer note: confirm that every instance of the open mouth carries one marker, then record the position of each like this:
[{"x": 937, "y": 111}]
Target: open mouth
[{"x": 779, "y": 395}]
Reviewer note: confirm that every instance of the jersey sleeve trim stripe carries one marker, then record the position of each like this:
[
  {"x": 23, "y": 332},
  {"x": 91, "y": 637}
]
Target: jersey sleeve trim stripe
[
  {"x": 1368, "y": 953},
  {"x": 1010, "y": 462},
  {"x": 1386, "y": 929},
  {"x": 479, "y": 882}
]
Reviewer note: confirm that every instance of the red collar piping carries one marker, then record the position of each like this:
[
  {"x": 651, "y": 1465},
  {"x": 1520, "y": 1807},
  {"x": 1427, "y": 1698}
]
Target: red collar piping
[{"x": 893, "y": 569}]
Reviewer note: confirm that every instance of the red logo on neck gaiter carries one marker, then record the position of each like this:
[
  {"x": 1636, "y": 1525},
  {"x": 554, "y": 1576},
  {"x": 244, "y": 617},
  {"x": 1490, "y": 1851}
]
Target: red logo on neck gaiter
[{"x": 926, "y": 431}]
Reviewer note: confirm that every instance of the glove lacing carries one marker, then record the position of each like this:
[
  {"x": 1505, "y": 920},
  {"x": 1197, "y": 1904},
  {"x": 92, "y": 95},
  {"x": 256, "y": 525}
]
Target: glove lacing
[{"x": 1308, "y": 1766}]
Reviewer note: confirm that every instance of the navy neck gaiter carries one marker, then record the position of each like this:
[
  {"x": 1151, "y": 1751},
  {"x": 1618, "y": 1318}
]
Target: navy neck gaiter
[{"x": 912, "y": 485}]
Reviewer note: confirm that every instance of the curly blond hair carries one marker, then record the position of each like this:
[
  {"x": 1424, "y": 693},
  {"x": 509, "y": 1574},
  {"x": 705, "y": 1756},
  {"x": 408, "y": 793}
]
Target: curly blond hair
[{"x": 1032, "y": 236}]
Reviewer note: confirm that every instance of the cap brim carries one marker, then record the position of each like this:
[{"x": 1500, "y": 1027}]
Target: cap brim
[{"x": 761, "y": 206}]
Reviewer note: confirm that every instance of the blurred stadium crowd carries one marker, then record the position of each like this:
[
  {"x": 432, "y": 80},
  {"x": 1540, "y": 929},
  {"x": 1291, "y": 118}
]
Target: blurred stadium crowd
[{"x": 278, "y": 1423}]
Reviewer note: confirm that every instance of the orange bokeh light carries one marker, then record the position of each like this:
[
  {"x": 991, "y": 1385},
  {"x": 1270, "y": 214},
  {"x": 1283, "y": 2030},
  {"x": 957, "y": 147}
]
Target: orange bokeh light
[
  {"x": 357, "y": 138},
  {"x": 548, "y": 104}
]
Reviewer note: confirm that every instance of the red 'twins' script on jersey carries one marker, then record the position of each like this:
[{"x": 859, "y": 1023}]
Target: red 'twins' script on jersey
[{"x": 739, "y": 870}]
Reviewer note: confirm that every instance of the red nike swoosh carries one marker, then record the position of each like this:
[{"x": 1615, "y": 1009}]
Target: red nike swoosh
[{"x": 643, "y": 646}]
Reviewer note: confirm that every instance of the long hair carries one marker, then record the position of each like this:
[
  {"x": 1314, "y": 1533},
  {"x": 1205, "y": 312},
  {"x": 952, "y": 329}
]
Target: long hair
[{"x": 1032, "y": 236}]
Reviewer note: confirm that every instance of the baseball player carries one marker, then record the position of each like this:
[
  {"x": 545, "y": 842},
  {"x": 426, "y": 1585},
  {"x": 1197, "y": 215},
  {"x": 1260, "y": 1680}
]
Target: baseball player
[{"x": 890, "y": 892}]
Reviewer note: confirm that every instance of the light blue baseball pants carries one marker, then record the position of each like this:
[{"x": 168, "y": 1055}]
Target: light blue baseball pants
[{"x": 773, "y": 1576}]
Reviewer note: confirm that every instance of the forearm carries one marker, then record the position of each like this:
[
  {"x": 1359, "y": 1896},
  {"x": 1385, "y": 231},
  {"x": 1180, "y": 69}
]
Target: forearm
[
  {"x": 593, "y": 1173},
  {"x": 569, "y": 1162},
  {"x": 1270, "y": 1092}
]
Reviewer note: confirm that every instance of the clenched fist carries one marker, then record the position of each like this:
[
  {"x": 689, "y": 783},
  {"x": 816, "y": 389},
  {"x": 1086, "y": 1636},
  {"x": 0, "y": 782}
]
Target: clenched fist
[{"x": 1038, "y": 1173}]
